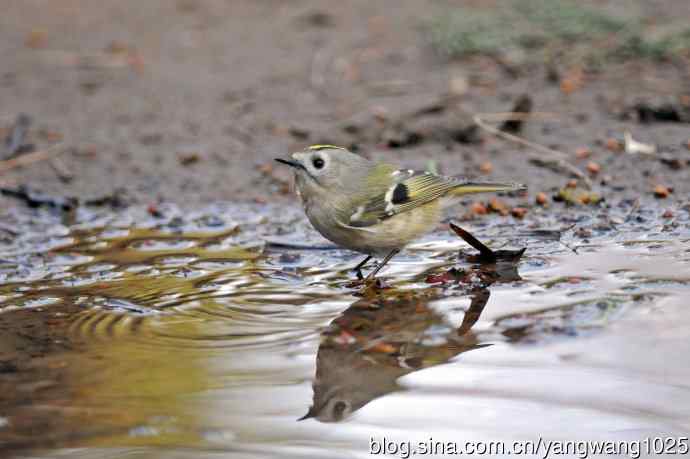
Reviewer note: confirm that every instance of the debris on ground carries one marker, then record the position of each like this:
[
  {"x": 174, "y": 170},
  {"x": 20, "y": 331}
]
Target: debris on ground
[
  {"x": 632, "y": 146},
  {"x": 583, "y": 153},
  {"x": 34, "y": 199},
  {"x": 188, "y": 158},
  {"x": 486, "y": 255},
  {"x": 522, "y": 106},
  {"x": 576, "y": 196},
  {"x": 498, "y": 206},
  {"x": 661, "y": 192},
  {"x": 666, "y": 112},
  {"x": 593, "y": 168},
  {"x": 518, "y": 212},
  {"x": 486, "y": 167},
  {"x": 15, "y": 142},
  {"x": 479, "y": 209},
  {"x": 613, "y": 145}
]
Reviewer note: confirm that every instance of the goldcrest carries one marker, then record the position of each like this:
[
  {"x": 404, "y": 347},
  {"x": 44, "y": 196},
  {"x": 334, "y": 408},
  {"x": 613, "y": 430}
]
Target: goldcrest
[{"x": 374, "y": 208}]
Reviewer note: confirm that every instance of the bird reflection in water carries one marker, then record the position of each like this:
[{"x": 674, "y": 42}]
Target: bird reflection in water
[{"x": 391, "y": 333}]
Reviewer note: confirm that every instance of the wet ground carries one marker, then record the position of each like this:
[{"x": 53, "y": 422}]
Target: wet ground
[{"x": 212, "y": 332}]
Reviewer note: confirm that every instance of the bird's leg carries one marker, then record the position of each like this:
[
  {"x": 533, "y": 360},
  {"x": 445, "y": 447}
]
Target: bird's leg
[
  {"x": 358, "y": 269},
  {"x": 383, "y": 263}
]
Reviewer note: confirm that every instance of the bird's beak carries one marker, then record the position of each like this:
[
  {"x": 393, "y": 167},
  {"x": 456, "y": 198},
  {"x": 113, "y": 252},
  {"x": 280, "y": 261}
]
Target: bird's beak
[
  {"x": 310, "y": 414},
  {"x": 290, "y": 162}
]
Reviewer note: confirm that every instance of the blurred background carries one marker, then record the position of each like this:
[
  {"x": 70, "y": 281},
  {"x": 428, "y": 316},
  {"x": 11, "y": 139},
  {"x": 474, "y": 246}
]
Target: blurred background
[{"x": 190, "y": 100}]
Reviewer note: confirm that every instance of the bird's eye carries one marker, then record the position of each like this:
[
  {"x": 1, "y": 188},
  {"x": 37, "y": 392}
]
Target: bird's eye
[
  {"x": 339, "y": 409},
  {"x": 318, "y": 162}
]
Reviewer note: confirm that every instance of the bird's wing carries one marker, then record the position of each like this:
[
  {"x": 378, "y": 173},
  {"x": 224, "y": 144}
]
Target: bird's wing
[{"x": 408, "y": 190}]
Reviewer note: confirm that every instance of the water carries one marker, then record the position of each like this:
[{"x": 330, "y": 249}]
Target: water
[{"x": 209, "y": 334}]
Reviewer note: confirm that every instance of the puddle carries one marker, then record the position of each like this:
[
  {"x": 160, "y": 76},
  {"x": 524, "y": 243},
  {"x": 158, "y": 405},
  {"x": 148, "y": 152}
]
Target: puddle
[{"x": 212, "y": 332}]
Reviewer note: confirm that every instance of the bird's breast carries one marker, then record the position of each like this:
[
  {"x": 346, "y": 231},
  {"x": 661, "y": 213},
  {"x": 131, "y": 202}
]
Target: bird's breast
[{"x": 378, "y": 239}]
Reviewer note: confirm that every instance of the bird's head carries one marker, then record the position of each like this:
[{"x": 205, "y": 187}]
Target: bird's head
[{"x": 325, "y": 168}]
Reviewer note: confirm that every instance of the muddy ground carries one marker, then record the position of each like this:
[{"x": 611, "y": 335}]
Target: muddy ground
[{"x": 189, "y": 101}]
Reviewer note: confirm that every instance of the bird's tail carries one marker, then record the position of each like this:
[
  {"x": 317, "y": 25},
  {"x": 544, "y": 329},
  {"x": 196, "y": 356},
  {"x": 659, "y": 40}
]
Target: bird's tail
[{"x": 485, "y": 187}]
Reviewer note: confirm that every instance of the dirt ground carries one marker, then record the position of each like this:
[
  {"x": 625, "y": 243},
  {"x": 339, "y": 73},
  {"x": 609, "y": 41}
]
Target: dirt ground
[{"x": 189, "y": 101}]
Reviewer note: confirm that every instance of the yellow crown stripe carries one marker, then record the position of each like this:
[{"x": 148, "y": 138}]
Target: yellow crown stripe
[{"x": 324, "y": 147}]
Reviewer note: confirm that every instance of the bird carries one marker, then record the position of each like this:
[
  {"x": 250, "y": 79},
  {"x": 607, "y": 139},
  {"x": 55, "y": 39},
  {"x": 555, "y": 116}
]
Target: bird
[{"x": 374, "y": 208}]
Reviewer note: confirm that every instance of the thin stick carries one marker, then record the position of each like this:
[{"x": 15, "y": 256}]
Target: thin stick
[
  {"x": 61, "y": 170},
  {"x": 29, "y": 158},
  {"x": 557, "y": 159}
]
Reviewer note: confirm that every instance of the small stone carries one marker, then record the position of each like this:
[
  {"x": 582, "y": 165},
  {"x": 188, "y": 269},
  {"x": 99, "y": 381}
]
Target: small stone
[
  {"x": 593, "y": 168},
  {"x": 583, "y": 152},
  {"x": 661, "y": 192},
  {"x": 518, "y": 212},
  {"x": 187, "y": 159},
  {"x": 479, "y": 209},
  {"x": 498, "y": 206},
  {"x": 542, "y": 199},
  {"x": 383, "y": 348},
  {"x": 571, "y": 184},
  {"x": 668, "y": 213},
  {"x": 486, "y": 167},
  {"x": 614, "y": 145}
]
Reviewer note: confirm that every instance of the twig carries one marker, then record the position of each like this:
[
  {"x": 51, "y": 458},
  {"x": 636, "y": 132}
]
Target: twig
[
  {"x": 486, "y": 255},
  {"x": 556, "y": 160},
  {"x": 61, "y": 170},
  {"x": 635, "y": 207},
  {"x": 29, "y": 158},
  {"x": 14, "y": 143}
]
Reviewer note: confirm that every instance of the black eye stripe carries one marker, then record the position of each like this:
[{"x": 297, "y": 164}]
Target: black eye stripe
[{"x": 317, "y": 162}]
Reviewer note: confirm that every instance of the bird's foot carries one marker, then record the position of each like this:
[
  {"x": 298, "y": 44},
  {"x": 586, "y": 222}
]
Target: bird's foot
[{"x": 368, "y": 283}]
